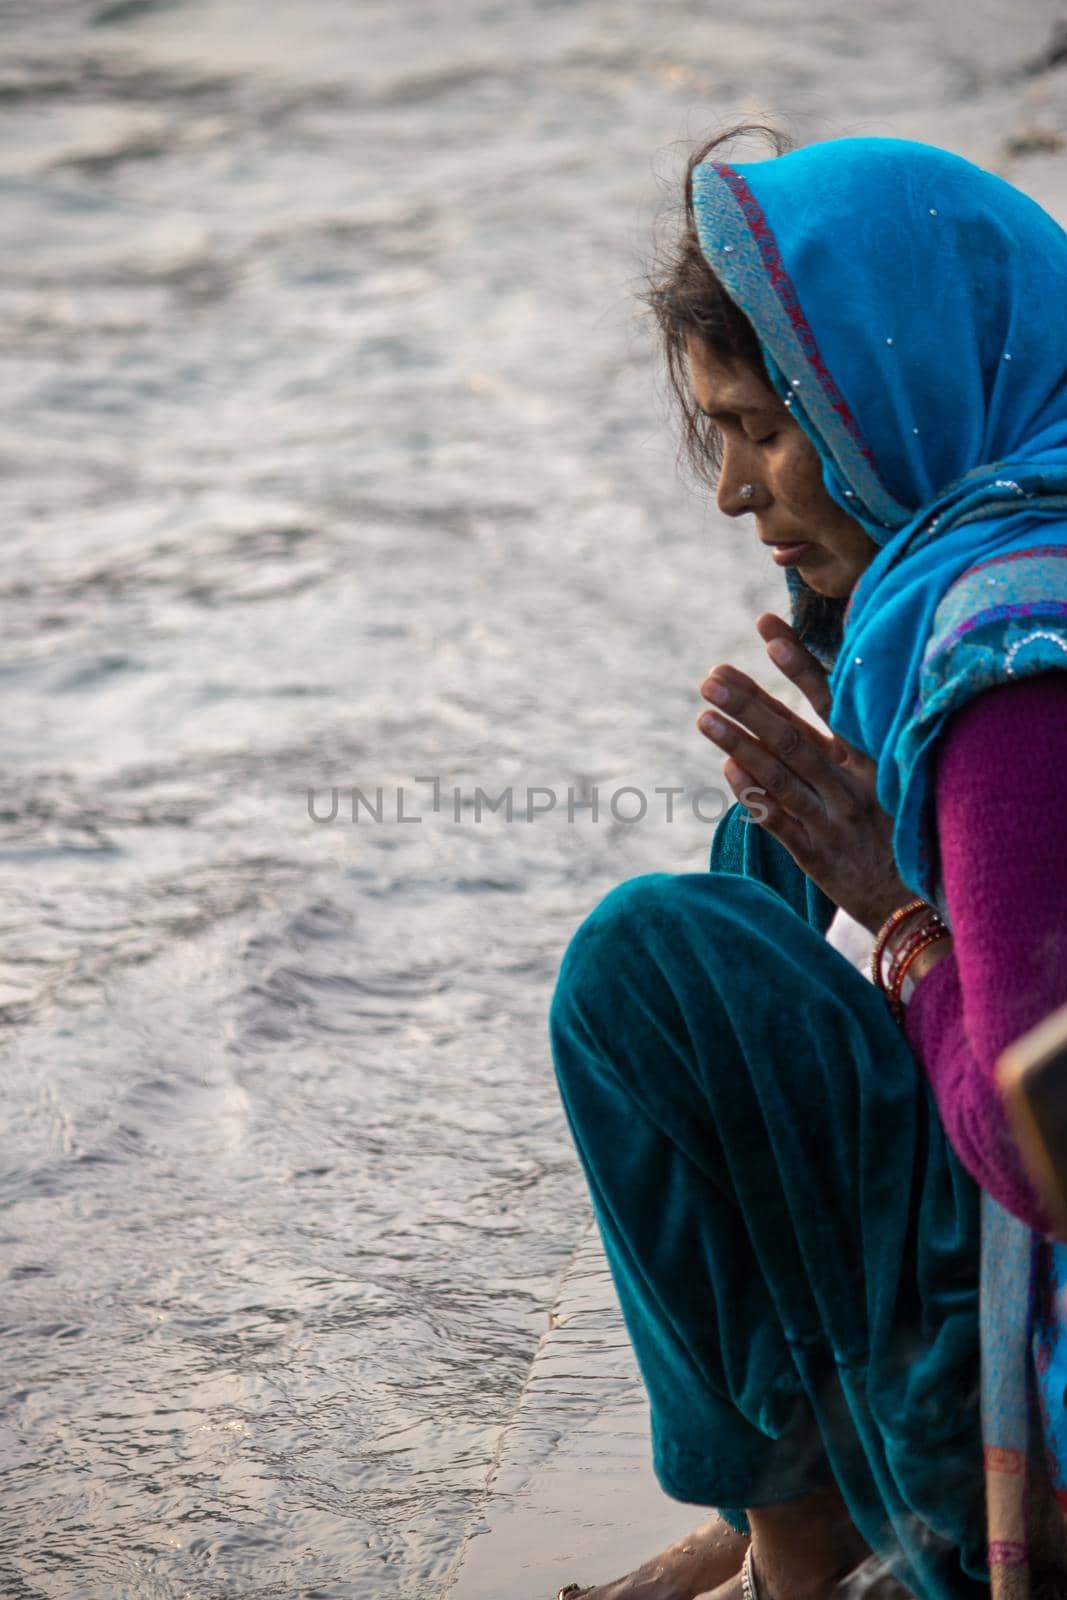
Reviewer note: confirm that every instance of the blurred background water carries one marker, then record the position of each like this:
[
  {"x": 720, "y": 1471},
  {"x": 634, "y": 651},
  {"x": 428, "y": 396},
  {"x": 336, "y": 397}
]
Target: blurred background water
[{"x": 333, "y": 456}]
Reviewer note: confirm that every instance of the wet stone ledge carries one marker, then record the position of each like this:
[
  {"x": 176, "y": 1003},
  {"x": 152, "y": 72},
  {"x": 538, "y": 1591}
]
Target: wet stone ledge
[{"x": 571, "y": 1498}]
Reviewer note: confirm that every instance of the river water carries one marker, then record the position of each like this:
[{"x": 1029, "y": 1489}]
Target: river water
[{"x": 334, "y": 459}]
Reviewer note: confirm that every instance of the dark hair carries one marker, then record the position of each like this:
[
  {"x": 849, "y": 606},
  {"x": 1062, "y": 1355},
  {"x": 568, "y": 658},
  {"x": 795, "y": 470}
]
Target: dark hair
[{"x": 687, "y": 299}]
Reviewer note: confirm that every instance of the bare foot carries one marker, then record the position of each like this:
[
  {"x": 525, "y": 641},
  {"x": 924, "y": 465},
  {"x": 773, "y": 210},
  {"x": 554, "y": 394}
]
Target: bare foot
[
  {"x": 806, "y": 1548},
  {"x": 730, "y": 1590},
  {"x": 695, "y": 1564},
  {"x": 868, "y": 1581}
]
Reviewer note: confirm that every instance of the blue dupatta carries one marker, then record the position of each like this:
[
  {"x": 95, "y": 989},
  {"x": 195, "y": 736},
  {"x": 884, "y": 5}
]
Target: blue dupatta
[{"x": 910, "y": 311}]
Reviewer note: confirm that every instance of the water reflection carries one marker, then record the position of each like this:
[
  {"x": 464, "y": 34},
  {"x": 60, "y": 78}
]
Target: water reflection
[{"x": 333, "y": 457}]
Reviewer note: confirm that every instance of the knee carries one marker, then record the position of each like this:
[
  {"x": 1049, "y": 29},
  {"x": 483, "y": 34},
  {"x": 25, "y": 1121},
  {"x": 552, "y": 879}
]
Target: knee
[
  {"x": 660, "y": 941},
  {"x": 612, "y": 950}
]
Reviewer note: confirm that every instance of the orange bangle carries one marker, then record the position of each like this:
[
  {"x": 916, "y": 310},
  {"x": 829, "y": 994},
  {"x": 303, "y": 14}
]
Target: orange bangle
[
  {"x": 908, "y": 943},
  {"x": 894, "y": 919},
  {"x": 900, "y": 972}
]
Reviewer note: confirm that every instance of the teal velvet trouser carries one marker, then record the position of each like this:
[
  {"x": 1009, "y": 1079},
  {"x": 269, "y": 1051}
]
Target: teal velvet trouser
[{"x": 794, "y": 1246}]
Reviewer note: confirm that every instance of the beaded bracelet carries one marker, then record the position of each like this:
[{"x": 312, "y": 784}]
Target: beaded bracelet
[
  {"x": 930, "y": 928},
  {"x": 903, "y": 951},
  {"x": 931, "y": 934},
  {"x": 908, "y": 943},
  {"x": 894, "y": 919}
]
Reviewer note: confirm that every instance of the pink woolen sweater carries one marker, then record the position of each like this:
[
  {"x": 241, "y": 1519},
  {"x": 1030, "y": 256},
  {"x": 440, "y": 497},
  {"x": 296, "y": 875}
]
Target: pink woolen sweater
[{"x": 1001, "y": 797}]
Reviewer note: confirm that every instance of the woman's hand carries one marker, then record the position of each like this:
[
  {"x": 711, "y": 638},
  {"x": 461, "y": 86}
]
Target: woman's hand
[{"x": 818, "y": 792}]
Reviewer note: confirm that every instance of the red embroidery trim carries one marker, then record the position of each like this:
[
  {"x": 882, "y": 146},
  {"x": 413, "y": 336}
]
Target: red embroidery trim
[
  {"x": 1021, "y": 608},
  {"x": 1007, "y": 1553},
  {"x": 1015, "y": 555},
  {"x": 782, "y": 284},
  {"x": 1000, "y": 1459}
]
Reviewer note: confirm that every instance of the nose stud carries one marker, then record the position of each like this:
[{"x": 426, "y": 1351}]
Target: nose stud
[{"x": 746, "y": 491}]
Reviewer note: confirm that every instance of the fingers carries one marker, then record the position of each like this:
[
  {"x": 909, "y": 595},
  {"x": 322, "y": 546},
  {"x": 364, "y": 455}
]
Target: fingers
[
  {"x": 773, "y": 742},
  {"x": 747, "y": 690},
  {"x": 763, "y": 808},
  {"x": 777, "y": 760},
  {"x": 796, "y": 662}
]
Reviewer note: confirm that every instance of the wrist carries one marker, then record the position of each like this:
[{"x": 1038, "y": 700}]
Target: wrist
[
  {"x": 911, "y": 940},
  {"x": 876, "y": 917},
  {"x": 927, "y": 959}
]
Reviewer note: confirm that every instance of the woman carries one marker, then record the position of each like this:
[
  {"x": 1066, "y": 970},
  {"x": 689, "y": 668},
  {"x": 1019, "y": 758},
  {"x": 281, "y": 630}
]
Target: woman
[{"x": 785, "y": 1158}]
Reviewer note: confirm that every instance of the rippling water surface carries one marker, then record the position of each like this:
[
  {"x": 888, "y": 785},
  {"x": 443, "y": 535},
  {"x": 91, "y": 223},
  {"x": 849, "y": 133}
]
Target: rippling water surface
[{"x": 333, "y": 457}]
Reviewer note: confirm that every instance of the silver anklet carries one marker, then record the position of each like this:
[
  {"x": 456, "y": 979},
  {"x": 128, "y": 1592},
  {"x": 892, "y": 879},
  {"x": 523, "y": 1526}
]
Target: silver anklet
[{"x": 749, "y": 1591}]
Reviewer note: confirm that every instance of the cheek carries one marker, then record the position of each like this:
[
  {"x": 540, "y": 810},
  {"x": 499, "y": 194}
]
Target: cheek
[
  {"x": 799, "y": 479},
  {"x": 798, "y": 486}
]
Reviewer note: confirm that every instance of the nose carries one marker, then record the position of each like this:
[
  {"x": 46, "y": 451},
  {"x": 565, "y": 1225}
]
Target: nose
[
  {"x": 739, "y": 500},
  {"x": 737, "y": 491},
  {"x": 737, "y": 496}
]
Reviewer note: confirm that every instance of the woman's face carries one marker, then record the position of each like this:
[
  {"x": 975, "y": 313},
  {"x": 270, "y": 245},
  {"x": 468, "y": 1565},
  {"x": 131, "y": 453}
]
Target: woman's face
[{"x": 763, "y": 446}]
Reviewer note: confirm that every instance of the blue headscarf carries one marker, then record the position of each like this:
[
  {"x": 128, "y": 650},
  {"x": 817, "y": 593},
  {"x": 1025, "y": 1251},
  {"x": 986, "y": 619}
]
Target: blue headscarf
[{"x": 912, "y": 313}]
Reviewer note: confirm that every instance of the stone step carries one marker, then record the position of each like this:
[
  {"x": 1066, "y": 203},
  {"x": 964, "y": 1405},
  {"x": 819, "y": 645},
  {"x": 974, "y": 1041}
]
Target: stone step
[{"x": 571, "y": 1498}]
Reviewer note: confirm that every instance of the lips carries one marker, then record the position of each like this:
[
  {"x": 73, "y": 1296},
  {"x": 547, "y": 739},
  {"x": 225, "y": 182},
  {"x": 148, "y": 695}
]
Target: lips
[{"x": 788, "y": 555}]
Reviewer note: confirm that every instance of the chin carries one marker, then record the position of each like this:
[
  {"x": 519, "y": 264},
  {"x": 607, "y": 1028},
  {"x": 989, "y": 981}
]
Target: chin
[{"x": 828, "y": 586}]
